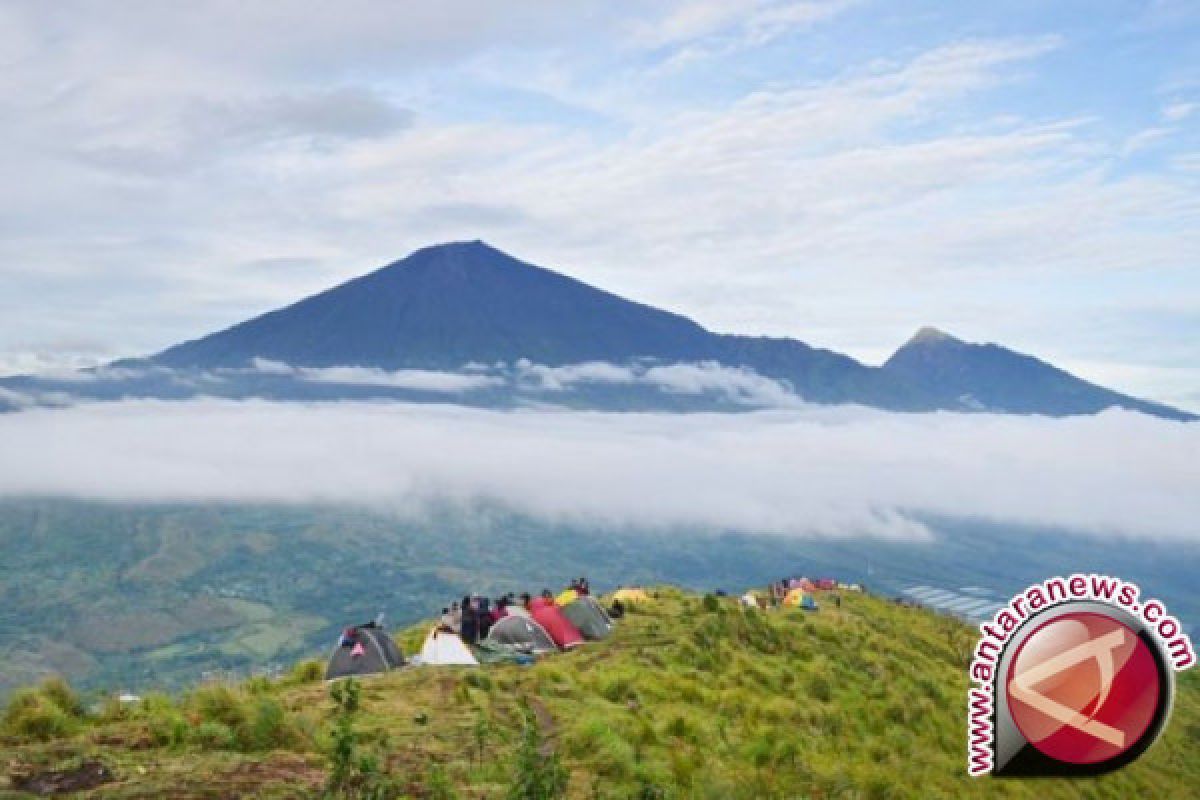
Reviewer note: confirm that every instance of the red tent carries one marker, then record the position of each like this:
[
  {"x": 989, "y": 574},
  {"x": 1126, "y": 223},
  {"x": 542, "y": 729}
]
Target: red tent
[
  {"x": 826, "y": 583},
  {"x": 548, "y": 615}
]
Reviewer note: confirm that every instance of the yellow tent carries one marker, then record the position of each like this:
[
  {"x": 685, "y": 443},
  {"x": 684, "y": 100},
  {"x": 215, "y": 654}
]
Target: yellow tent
[
  {"x": 630, "y": 595},
  {"x": 568, "y": 596},
  {"x": 796, "y": 597}
]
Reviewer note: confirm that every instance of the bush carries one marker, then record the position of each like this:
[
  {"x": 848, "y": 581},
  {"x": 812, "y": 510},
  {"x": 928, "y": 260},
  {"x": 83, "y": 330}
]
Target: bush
[
  {"x": 32, "y": 715},
  {"x": 478, "y": 680},
  {"x": 710, "y": 603},
  {"x": 820, "y": 688},
  {"x": 269, "y": 728},
  {"x": 218, "y": 703},
  {"x": 60, "y": 693},
  {"x": 306, "y": 672},
  {"x": 212, "y": 735},
  {"x": 536, "y": 775}
]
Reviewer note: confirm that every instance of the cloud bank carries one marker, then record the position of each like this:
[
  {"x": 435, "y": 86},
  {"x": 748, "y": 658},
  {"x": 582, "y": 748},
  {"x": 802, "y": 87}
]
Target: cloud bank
[{"x": 835, "y": 472}]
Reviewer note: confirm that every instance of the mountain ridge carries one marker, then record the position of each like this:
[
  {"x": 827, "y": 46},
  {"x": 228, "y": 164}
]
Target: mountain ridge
[
  {"x": 459, "y": 306},
  {"x": 452, "y": 304}
]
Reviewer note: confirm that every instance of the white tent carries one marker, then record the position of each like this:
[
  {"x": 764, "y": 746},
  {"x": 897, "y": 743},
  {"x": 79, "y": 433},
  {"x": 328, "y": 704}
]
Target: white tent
[{"x": 445, "y": 648}]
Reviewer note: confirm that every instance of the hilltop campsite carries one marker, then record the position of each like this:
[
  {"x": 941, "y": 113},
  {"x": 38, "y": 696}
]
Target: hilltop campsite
[{"x": 691, "y": 696}]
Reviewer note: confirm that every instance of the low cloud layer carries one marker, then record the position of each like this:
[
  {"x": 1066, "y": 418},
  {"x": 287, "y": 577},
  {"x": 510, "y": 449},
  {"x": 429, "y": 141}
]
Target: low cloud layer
[
  {"x": 820, "y": 471},
  {"x": 414, "y": 379},
  {"x": 737, "y": 384}
]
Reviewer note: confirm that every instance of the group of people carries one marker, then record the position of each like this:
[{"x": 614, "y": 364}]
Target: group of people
[{"x": 473, "y": 617}]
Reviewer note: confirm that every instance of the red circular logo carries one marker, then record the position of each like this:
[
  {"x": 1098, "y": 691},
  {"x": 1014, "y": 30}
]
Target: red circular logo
[{"x": 1083, "y": 688}]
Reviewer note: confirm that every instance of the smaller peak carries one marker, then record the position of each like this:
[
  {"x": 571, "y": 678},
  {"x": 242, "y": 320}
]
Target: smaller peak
[{"x": 932, "y": 335}]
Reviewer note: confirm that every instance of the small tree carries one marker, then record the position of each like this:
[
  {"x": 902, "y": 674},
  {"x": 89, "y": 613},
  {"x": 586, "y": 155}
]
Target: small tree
[
  {"x": 537, "y": 775},
  {"x": 353, "y": 775}
]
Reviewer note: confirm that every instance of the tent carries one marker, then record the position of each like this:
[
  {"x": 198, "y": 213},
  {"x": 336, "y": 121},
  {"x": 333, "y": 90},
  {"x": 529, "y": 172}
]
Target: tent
[
  {"x": 631, "y": 595},
  {"x": 550, "y": 617},
  {"x": 443, "y": 648},
  {"x": 799, "y": 598},
  {"x": 365, "y": 651},
  {"x": 588, "y": 617},
  {"x": 522, "y": 633},
  {"x": 566, "y": 597}
]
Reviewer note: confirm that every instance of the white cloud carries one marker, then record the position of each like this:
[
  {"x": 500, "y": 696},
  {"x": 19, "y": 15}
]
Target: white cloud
[
  {"x": 415, "y": 379},
  {"x": 1177, "y": 112},
  {"x": 739, "y": 384},
  {"x": 790, "y": 174},
  {"x": 555, "y": 379},
  {"x": 822, "y": 471},
  {"x": 736, "y": 384}
]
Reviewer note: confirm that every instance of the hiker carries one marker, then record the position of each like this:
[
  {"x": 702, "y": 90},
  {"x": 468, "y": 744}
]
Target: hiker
[
  {"x": 469, "y": 628},
  {"x": 617, "y": 610},
  {"x": 547, "y": 595},
  {"x": 446, "y": 623},
  {"x": 483, "y": 616},
  {"x": 349, "y": 636},
  {"x": 583, "y": 586},
  {"x": 526, "y": 600},
  {"x": 456, "y": 617},
  {"x": 501, "y": 609}
]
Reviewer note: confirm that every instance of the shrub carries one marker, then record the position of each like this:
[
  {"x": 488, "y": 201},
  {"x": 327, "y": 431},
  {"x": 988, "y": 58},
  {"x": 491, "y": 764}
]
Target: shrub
[
  {"x": 306, "y": 672},
  {"x": 60, "y": 693},
  {"x": 32, "y": 715},
  {"x": 820, "y": 688},
  {"x": 268, "y": 728},
  {"x": 259, "y": 684},
  {"x": 438, "y": 786},
  {"x": 537, "y": 775},
  {"x": 478, "y": 680},
  {"x": 212, "y": 735},
  {"x": 710, "y": 603},
  {"x": 218, "y": 703}
]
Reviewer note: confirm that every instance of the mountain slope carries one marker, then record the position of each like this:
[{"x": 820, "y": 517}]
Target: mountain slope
[
  {"x": 994, "y": 378},
  {"x": 466, "y": 302},
  {"x": 688, "y": 699},
  {"x": 447, "y": 305}
]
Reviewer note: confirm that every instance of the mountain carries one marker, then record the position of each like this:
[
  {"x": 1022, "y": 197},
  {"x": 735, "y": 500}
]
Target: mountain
[
  {"x": 690, "y": 697},
  {"x": 990, "y": 377},
  {"x": 466, "y": 303}
]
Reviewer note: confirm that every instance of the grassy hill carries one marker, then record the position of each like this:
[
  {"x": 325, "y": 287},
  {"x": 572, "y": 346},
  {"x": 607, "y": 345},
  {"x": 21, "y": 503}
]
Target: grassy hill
[
  {"x": 152, "y": 596},
  {"x": 689, "y": 699}
]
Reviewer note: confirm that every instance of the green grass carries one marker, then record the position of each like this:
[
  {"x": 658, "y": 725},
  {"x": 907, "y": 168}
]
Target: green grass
[{"x": 683, "y": 702}]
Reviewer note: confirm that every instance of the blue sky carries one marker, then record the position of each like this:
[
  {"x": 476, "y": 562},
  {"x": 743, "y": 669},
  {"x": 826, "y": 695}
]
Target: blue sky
[{"x": 842, "y": 172}]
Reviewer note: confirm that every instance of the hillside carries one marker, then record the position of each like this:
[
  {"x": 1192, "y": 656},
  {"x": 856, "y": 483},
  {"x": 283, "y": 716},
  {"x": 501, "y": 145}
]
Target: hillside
[
  {"x": 153, "y": 596},
  {"x": 687, "y": 699}
]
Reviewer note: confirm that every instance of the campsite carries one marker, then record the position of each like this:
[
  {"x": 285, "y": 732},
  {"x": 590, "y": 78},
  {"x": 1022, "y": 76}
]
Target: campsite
[{"x": 691, "y": 696}]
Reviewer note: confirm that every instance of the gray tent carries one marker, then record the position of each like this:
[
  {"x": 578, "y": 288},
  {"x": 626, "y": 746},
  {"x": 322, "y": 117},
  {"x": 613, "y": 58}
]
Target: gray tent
[
  {"x": 589, "y": 617},
  {"x": 522, "y": 633},
  {"x": 367, "y": 651}
]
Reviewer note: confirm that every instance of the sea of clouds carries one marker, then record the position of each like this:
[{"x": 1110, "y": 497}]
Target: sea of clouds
[{"x": 806, "y": 471}]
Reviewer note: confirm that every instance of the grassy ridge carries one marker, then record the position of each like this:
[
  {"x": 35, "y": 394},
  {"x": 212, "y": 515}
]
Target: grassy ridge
[{"x": 866, "y": 701}]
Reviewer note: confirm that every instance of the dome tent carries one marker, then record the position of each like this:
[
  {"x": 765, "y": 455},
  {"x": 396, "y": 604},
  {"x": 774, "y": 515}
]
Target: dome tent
[
  {"x": 799, "y": 598},
  {"x": 445, "y": 648},
  {"x": 631, "y": 595},
  {"x": 550, "y": 617},
  {"x": 365, "y": 650},
  {"x": 588, "y": 617},
  {"x": 522, "y": 633}
]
